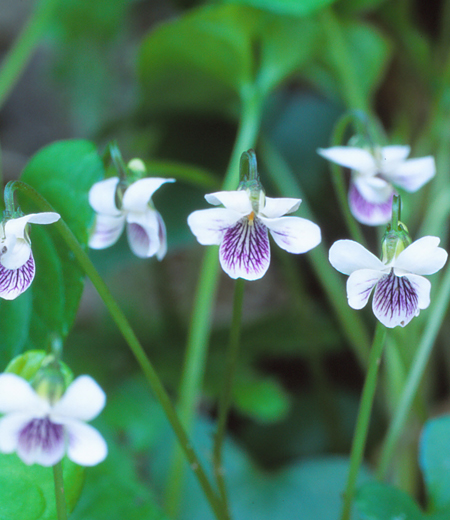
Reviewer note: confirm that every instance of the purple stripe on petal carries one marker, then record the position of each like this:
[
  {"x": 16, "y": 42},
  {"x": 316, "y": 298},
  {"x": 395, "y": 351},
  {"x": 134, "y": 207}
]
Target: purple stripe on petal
[
  {"x": 245, "y": 251},
  {"x": 395, "y": 301},
  {"x": 368, "y": 213},
  {"x": 41, "y": 441},
  {"x": 139, "y": 238},
  {"x": 13, "y": 282}
]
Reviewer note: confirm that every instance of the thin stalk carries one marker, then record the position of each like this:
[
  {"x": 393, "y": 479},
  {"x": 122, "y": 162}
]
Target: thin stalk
[
  {"x": 201, "y": 321},
  {"x": 18, "y": 57},
  {"x": 436, "y": 315},
  {"x": 225, "y": 398},
  {"x": 61, "y": 508},
  {"x": 362, "y": 422},
  {"x": 130, "y": 337}
]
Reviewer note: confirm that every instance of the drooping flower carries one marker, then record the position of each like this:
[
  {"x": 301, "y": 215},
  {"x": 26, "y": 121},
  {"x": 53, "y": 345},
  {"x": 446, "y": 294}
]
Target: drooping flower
[
  {"x": 374, "y": 172},
  {"x": 42, "y": 430},
  {"x": 17, "y": 267},
  {"x": 401, "y": 291},
  {"x": 146, "y": 231},
  {"x": 241, "y": 229}
]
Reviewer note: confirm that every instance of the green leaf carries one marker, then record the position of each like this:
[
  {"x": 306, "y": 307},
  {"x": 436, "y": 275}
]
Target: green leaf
[
  {"x": 291, "y": 7},
  {"x": 434, "y": 459},
  {"x": 62, "y": 173},
  {"x": 378, "y": 501},
  {"x": 15, "y": 316},
  {"x": 28, "y": 492}
]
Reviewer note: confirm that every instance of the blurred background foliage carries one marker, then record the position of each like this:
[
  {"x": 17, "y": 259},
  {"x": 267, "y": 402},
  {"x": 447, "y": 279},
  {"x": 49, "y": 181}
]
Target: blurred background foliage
[{"x": 168, "y": 79}]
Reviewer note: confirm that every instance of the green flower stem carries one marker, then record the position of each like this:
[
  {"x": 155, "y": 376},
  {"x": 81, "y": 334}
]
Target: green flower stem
[
  {"x": 225, "y": 398},
  {"x": 17, "y": 58},
  {"x": 200, "y": 327},
  {"x": 61, "y": 508},
  {"x": 436, "y": 315},
  {"x": 133, "y": 343},
  {"x": 362, "y": 422},
  {"x": 351, "y": 324}
]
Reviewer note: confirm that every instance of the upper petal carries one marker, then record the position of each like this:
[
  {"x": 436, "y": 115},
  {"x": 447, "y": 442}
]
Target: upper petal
[
  {"x": 143, "y": 233},
  {"x": 107, "y": 230},
  {"x": 352, "y": 157},
  {"x": 413, "y": 173},
  {"x": 275, "y": 208},
  {"x": 17, "y": 395},
  {"x": 237, "y": 201},
  {"x": 13, "y": 282},
  {"x": 293, "y": 234},
  {"x": 86, "y": 446},
  {"x": 245, "y": 251},
  {"x": 422, "y": 256},
  {"x": 369, "y": 213},
  {"x": 16, "y": 226},
  {"x": 359, "y": 286},
  {"x": 102, "y": 197},
  {"x": 83, "y": 400},
  {"x": 210, "y": 225},
  {"x": 138, "y": 194},
  {"x": 347, "y": 256},
  {"x": 393, "y": 154}
]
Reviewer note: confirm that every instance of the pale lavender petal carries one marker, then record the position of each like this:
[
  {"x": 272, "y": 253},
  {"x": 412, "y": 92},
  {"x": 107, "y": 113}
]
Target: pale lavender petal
[
  {"x": 396, "y": 299},
  {"x": 162, "y": 235},
  {"x": 390, "y": 155},
  {"x": 359, "y": 286},
  {"x": 422, "y": 257},
  {"x": 86, "y": 446},
  {"x": 366, "y": 212},
  {"x": 102, "y": 197},
  {"x": 275, "y": 208},
  {"x": 293, "y": 234},
  {"x": 41, "y": 442},
  {"x": 143, "y": 233},
  {"x": 138, "y": 194},
  {"x": 210, "y": 225},
  {"x": 83, "y": 400},
  {"x": 357, "y": 159},
  {"x": 236, "y": 201},
  {"x": 245, "y": 252},
  {"x": 13, "y": 282},
  {"x": 413, "y": 174},
  {"x": 347, "y": 256},
  {"x": 17, "y": 395},
  {"x": 107, "y": 230}
]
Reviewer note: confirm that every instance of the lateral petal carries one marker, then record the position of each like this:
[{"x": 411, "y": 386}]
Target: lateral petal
[
  {"x": 423, "y": 256},
  {"x": 10, "y": 428},
  {"x": 143, "y": 233},
  {"x": 293, "y": 234},
  {"x": 359, "y": 286},
  {"x": 107, "y": 230},
  {"x": 393, "y": 154},
  {"x": 237, "y": 201},
  {"x": 102, "y": 197},
  {"x": 17, "y": 395},
  {"x": 352, "y": 157},
  {"x": 86, "y": 446},
  {"x": 138, "y": 194},
  {"x": 369, "y": 213},
  {"x": 413, "y": 173},
  {"x": 210, "y": 225},
  {"x": 245, "y": 251},
  {"x": 347, "y": 256},
  {"x": 275, "y": 208},
  {"x": 13, "y": 282}
]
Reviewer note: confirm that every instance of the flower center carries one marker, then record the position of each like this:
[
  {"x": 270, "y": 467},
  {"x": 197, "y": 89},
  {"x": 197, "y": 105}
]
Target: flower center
[{"x": 251, "y": 218}]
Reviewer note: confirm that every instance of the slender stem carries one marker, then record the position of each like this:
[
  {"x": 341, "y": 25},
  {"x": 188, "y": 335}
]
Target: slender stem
[
  {"x": 419, "y": 364},
  {"x": 200, "y": 327},
  {"x": 61, "y": 508},
  {"x": 362, "y": 422},
  {"x": 225, "y": 398},
  {"x": 133, "y": 343},
  {"x": 17, "y": 58}
]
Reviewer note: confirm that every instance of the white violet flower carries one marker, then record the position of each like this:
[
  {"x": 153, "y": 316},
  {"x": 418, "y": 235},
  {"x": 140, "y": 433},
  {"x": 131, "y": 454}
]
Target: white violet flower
[
  {"x": 241, "y": 229},
  {"x": 400, "y": 289},
  {"x": 41, "y": 432},
  {"x": 374, "y": 173},
  {"x": 145, "y": 227},
  {"x": 17, "y": 267}
]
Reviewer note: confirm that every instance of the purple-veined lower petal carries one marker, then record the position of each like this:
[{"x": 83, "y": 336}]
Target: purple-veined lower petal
[
  {"x": 17, "y": 395},
  {"x": 210, "y": 225},
  {"x": 347, "y": 256},
  {"x": 352, "y": 157},
  {"x": 102, "y": 197},
  {"x": 107, "y": 230},
  {"x": 83, "y": 400},
  {"x": 396, "y": 298},
  {"x": 275, "y": 208},
  {"x": 236, "y": 201},
  {"x": 245, "y": 251},
  {"x": 293, "y": 234},
  {"x": 138, "y": 194},
  {"x": 13, "y": 282},
  {"x": 368, "y": 213},
  {"x": 413, "y": 173},
  {"x": 423, "y": 256},
  {"x": 86, "y": 446},
  {"x": 41, "y": 442},
  {"x": 143, "y": 233},
  {"x": 359, "y": 286}
]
